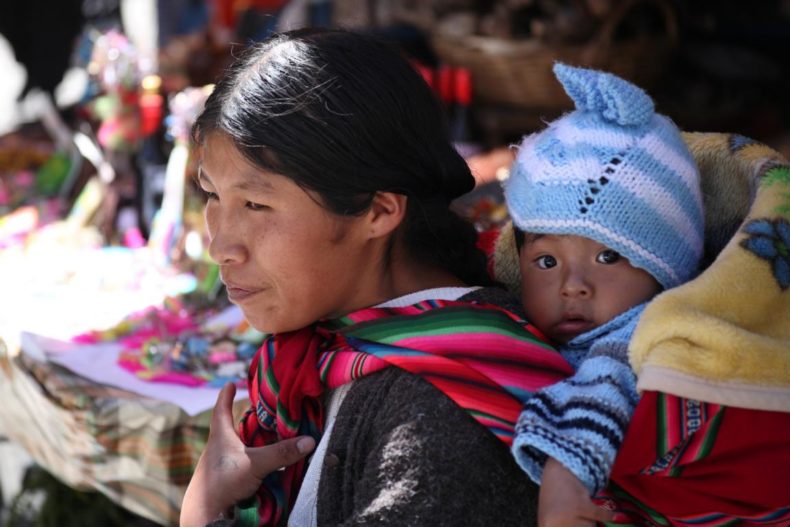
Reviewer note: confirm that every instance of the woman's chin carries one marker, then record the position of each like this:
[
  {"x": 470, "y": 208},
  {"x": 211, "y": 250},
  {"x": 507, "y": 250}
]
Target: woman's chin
[
  {"x": 270, "y": 324},
  {"x": 258, "y": 322}
]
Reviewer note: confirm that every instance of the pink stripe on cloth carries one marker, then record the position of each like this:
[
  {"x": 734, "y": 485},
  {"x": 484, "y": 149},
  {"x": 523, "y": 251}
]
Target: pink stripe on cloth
[{"x": 495, "y": 346}]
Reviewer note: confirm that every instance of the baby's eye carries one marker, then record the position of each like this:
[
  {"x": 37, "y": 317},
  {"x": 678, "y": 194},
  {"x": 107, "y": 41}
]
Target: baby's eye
[
  {"x": 546, "y": 262},
  {"x": 608, "y": 257},
  {"x": 255, "y": 206}
]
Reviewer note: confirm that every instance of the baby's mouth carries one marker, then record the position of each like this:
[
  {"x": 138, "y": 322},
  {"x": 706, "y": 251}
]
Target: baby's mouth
[{"x": 572, "y": 325}]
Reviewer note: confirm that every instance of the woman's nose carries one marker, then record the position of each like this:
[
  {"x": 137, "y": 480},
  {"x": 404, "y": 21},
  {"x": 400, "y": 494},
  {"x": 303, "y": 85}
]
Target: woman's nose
[{"x": 225, "y": 241}]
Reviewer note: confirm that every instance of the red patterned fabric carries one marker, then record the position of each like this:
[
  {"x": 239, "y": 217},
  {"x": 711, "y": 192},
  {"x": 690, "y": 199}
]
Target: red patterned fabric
[
  {"x": 685, "y": 462},
  {"x": 482, "y": 357}
]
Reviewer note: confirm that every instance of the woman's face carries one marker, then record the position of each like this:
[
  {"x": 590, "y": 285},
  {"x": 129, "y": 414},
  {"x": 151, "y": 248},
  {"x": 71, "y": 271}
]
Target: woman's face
[{"x": 286, "y": 260}]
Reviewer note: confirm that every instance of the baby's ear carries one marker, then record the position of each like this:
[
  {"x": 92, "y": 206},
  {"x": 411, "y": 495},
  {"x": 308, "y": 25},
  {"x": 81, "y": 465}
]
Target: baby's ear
[
  {"x": 506, "y": 262},
  {"x": 731, "y": 167}
]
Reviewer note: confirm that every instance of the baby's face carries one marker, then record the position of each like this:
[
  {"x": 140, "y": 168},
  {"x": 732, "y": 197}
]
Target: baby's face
[{"x": 572, "y": 284}]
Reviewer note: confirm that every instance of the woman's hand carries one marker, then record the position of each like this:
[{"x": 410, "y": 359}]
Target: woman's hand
[
  {"x": 564, "y": 502},
  {"x": 228, "y": 471}
]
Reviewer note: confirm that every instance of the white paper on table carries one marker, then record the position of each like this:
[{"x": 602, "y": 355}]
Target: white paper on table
[{"x": 99, "y": 363}]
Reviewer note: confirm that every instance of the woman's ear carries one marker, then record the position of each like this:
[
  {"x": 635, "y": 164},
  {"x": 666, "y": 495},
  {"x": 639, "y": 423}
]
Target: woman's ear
[{"x": 386, "y": 213}]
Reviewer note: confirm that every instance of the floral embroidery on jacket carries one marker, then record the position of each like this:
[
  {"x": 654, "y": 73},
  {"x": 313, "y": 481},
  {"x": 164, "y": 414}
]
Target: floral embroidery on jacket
[{"x": 770, "y": 240}]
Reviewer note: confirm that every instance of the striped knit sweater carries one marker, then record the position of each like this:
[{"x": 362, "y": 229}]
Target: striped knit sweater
[{"x": 581, "y": 421}]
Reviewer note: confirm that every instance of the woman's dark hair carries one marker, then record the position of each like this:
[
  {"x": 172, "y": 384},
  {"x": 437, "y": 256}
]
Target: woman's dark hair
[{"x": 345, "y": 116}]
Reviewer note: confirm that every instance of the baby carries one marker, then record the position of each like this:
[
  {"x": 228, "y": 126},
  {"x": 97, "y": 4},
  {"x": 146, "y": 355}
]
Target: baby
[{"x": 607, "y": 211}]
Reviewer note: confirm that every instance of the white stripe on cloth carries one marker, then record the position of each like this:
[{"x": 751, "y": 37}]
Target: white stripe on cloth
[{"x": 638, "y": 184}]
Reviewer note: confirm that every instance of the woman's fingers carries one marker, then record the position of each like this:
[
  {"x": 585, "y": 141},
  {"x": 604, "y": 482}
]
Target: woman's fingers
[
  {"x": 266, "y": 459},
  {"x": 222, "y": 416},
  {"x": 220, "y": 472},
  {"x": 224, "y": 440}
]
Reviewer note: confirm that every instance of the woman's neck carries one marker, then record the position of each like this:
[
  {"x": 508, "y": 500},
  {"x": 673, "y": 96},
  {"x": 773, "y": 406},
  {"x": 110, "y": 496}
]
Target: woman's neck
[{"x": 402, "y": 275}]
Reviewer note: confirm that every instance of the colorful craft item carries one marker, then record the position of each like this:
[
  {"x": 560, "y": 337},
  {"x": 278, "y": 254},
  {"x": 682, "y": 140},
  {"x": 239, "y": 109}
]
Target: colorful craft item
[
  {"x": 116, "y": 74},
  {"x": 114, "y": 62},
  {"x": 184, "y": 108},
  {"x": 198, "y": 359},
  {"x": 487, "y": 213},
  {"x": 171, "y": 319},
  {"x": 174, "y": 343},
  {"x": 51, "y": 175},
  {"x": 151, "y": 104},
  {"x": 31, "y": 173},
  {"x": 17, "y": 224}
]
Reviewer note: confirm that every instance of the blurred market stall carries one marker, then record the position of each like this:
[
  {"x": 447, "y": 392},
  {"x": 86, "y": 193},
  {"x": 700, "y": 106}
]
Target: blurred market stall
[{"x": 113, "y": 340}]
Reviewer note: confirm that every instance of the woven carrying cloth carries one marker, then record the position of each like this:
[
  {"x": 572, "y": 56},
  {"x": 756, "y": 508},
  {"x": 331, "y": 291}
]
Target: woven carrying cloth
[
  {"x": 482, "y": 357},
  {"x": 691, "y": 463}
]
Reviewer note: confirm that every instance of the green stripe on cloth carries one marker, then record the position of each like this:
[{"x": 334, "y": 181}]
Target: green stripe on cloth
[
  {"x": 710, "y": 435},
  {"x": 448, "y": 321},
  {"x": 662, "y": 445},
  {"x": 654, "y": 515},
  {"x": 245, "y": 513}
]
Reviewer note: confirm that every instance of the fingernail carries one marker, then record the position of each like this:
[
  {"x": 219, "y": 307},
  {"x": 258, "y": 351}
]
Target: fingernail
[{"x": 305, "y": 445}]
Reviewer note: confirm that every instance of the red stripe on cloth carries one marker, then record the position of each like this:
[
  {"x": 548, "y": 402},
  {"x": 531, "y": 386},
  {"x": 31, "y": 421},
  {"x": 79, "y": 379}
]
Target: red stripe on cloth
[{"x": 744, "y": 472}]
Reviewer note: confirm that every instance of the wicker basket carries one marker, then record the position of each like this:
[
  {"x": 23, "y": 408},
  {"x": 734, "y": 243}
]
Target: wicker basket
[{"x": 519, "y": 72}]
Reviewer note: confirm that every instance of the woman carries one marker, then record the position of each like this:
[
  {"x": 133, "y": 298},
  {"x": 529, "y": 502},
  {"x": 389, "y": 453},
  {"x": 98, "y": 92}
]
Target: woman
[{"x": 329, "y": 176}]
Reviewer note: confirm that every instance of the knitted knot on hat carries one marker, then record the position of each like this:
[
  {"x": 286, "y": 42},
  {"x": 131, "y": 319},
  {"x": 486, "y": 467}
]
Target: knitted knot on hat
[{"x": 613, "y": 171}]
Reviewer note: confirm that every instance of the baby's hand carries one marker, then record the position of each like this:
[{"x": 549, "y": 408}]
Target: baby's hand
[{"x": 564, "y": 501}]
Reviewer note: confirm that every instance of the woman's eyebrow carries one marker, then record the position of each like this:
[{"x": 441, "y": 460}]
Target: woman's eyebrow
[
  {"x": 255, "y": 184},
  {"x": 250, "y": 184}
]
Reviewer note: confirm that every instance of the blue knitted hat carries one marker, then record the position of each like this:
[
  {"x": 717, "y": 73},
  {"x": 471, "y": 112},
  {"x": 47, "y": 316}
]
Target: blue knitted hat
[{"x": 613, "y": 171}]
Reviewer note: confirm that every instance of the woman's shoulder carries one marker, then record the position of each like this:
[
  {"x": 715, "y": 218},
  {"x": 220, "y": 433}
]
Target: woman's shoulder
[
  {"x": 496, "y": 296},
  {"x": 395, "y": 395},
  {"x": 395, "y": 431}
]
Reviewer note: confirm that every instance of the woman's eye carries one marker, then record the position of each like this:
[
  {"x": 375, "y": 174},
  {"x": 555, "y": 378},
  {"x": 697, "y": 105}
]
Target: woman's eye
[
  {"x": 608, "y": 257},
  {"x": 546, "y": 262},
  {"x": 209, "y": 195},
  {"x": 255, "y": 206}
]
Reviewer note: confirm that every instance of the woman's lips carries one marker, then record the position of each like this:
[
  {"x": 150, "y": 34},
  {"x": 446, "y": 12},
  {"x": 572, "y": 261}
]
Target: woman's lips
[{"x": 238, "y": 294}]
